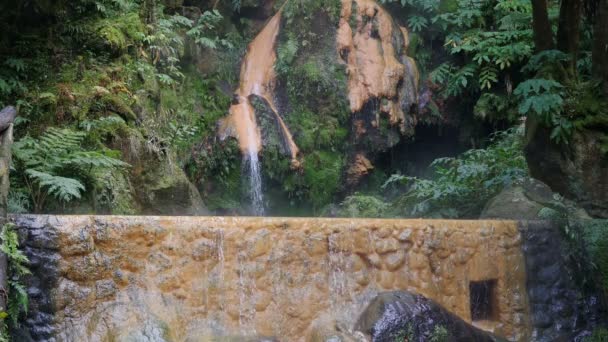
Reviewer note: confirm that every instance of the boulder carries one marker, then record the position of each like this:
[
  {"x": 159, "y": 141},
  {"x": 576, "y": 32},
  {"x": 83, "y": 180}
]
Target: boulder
[
  {"x": 164, "y": 189},
  {"x": 578, "y": 171},
  {"x": 530, "y": 199},
  {"x": 401, "y": 315}
]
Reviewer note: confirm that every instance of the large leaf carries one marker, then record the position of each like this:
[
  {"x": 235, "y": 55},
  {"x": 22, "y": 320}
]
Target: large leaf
[{"x": 62, "y": 188}]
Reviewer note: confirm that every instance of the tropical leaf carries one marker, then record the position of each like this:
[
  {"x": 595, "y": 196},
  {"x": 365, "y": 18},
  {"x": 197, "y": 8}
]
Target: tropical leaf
[{"x": 62, "y": 188}]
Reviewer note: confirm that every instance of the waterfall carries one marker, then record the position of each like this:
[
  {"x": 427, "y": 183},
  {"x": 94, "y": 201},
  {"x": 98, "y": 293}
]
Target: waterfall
[
  {"x": 252, "y": 162},
  {"x": 257, "y": 78}
]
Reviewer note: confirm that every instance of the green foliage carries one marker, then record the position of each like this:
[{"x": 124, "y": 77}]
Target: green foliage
[
  {"x": 359, "y": 205},
  {"x": 544, "y": 59},
  {"x": 544, "y": 99},
  {"x": 236, "y": 5},
  {"x": 286, "y": 54},
  {"x": 202, "y": 31},
  {"x": 590, "y": 237},
  {"x": 17, "y": 268},
  {"x": 322, "y": 176},
  {"x": 461, "y": 186},
  {"x": 55, "y": 165},
  {"x": 598, "y": 335},
  {"x": 307, "y": 9},
  {"x": 417, "y": 23},
  {"x": 488, "y": 48},
  {"x": 491, "y": 106},
  {"x": 440, "y": 334},
  {"x": 11, "y": 79},
  {"x": 121, "y": 32},
  {"x": 540, "y": 96}
]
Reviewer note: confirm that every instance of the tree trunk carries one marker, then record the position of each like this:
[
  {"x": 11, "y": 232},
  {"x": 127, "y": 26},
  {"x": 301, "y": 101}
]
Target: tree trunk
[
  {"x": 543, "y": 35},
  {"x": 600, "y": 43},
  {"x": 568, "y": 31}
]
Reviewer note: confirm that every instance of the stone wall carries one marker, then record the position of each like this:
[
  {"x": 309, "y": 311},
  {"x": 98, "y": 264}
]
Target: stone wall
[{"x": 104, "y": 278}]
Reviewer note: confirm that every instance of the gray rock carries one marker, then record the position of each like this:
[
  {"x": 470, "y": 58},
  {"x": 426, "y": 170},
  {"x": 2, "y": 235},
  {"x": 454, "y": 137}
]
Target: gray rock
[
  {"x": 397, "y": 315},
  {"x": 164, "y": 189},
  {"x": 7, "y": 117},
  {"x": 528, "y": 200}
]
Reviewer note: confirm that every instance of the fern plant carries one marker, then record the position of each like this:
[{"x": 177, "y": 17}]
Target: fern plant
[
  {"x": 17, "y": 299},
  {"x": 55, "y": 165}
]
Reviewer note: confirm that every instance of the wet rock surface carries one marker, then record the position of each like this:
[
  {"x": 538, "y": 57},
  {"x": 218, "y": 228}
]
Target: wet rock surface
[
  {"x": 560, "y": 310},
  {"x": 402, "y": 315}
]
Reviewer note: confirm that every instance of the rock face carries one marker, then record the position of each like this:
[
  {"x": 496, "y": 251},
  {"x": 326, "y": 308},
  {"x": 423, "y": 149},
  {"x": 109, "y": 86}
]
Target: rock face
[
  {"x": 382, "y": 82},
  {"x": 560, "y": 311},
  {"x": 579, "y": 173},
  {"x": 374, "y": 50},
  {"x": 399, "y": 315},
  {"x": 180, "y": 279},
  {"x": 380, "y": 78},
  {"x": 257, "y": 78}
]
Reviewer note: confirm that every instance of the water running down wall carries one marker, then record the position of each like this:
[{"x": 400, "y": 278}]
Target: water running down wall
[{"x": 104, "y": 278}]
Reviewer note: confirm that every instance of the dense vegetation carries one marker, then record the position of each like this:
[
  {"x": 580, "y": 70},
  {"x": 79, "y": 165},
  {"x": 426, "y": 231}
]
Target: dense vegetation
[
  {"x": 491, "y": 61},
  {"x": 119, "y": 100},
  {"x": 104, "y": 92}
]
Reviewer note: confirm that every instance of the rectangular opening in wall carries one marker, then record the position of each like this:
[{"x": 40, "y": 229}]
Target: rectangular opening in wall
[{"x": 482, "y": 298}]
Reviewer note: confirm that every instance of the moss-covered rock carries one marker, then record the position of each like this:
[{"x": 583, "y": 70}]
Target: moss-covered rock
[
  {"x": 530, "y": 200},
  {"x": 162, "y": 188}
]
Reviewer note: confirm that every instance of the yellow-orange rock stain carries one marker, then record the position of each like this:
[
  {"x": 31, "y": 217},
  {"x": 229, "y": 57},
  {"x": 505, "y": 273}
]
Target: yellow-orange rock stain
[{"x": 274, "y": 276}]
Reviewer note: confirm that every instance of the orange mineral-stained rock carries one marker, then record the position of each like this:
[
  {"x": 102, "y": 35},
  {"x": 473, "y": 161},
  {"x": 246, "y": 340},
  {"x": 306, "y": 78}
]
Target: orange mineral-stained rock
[
  {"x": 359, "y": 168},
  {"x": 374, "y": 66},
  {"x": 270, "y": 276},
  {"x": 257, "y": 78}
]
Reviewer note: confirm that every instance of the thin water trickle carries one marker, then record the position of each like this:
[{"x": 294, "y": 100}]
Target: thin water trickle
[
  {"x": 246, "y": 286},
  {"x": 338, "y": 280},
  {"x": 221, "y": 261},
  {"x": 256, "y": 195}
]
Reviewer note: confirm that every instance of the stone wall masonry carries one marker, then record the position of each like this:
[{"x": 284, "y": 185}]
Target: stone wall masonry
[{"x": 107, "y": 278}]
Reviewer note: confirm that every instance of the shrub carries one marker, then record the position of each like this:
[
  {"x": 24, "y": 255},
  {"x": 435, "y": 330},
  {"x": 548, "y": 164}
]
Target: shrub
[
  {"x": 461, "y": 186},
  {"x": 56, "y": 165}
]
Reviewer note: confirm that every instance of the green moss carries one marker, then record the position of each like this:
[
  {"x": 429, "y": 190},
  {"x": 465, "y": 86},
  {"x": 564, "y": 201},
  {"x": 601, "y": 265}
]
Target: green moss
[
  {"x": 318, "y": 111},
  {"x": 322, "y": 174},
  {"x": 216, "y": 169},
  {"x": 115, "y": 103},
  {"x": 120, "y": 32},
  {"x": 113, "y": 37}
]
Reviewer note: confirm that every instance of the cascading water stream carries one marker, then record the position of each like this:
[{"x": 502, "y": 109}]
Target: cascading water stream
[
  {"x": 257, "y": 79},
  {"x": 252, "y": 162}
]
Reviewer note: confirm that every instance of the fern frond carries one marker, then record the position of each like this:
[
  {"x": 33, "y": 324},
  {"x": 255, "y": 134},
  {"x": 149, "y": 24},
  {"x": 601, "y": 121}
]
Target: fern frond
[
  {"x": 62, "y": 188},
  {"x": 95, "y": 159}
]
